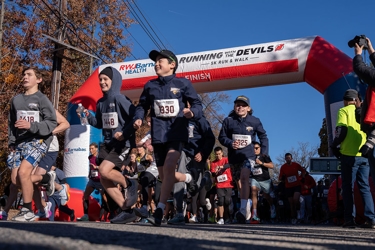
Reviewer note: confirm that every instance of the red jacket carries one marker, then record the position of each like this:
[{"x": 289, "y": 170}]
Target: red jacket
[{"x": 307, "y": 185}]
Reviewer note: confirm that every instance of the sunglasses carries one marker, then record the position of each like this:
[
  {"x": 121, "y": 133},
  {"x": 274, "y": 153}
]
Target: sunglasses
[{"x": 257, "y": 147}]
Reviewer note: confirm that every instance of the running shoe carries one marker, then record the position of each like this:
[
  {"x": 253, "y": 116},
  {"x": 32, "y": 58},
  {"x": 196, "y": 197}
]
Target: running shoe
[
  {"x": 240, "y": 218},
  {"x": 65, "y": 194},
  {"x": 193, "y": 219},
  {"x": 350, "y": 224},
  {"x": 220, "y": 222},
  {"x": 273, "y": 212},
  {"x": 178, "y": 219},
  {"x": 156, "y": 218},
  {"x": 72, "y": 215},
  {"x": 255, "y": 220},
  {"x": 208, "y": 204},
  {"x": 85, "y": 217},
  {"x": 124, "y": 217},
  {"x": 47, "y": 209},
  {"x": 51, "y": 183},
  {"x": 3, "y": 215},
  {"x": 143, "y": 221},
  {"x": 141, "y": 212},
  {"x": 24, "y": 215},
  {"x": 45, "y": 213},
  {"x": 369, "y": 224},
  {"x": 212, "y": 219}
]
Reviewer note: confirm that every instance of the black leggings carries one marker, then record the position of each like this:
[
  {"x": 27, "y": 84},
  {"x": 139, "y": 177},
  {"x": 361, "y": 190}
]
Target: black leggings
[{"x": 146, "y": 180}]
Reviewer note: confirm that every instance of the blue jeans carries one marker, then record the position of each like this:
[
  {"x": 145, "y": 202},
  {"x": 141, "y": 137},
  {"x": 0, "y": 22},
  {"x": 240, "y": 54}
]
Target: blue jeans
[{"x": 356, "y": 168}]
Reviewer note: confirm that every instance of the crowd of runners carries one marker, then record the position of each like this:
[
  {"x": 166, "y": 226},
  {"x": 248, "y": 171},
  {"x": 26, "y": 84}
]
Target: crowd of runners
[{"x": 175, "y": 174}]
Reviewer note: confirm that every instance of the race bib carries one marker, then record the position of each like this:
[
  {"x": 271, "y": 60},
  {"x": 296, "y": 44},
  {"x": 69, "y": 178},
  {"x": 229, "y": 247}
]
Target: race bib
[
  {"x": 30, "y": 116},
  {"x": 94, "y": 173},
  {"x": 191, "y": 130},
  {"x": 257, "y": 171},
  {"x": 222, "y": 178},
  {"x": 292, "y": 179},
  {"x": 166, "y": 108},
  {"x": 243, "y": 140},
  {"x": 141, "y": 168},
  {"x": 110, "y": 120}
]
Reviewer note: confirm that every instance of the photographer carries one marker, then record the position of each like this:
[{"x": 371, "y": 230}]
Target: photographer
[{"x": 366, "y": 74}]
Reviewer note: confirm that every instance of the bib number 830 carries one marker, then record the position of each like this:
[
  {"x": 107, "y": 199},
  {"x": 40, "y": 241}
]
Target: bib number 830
[{"x": 166, "y": 110}]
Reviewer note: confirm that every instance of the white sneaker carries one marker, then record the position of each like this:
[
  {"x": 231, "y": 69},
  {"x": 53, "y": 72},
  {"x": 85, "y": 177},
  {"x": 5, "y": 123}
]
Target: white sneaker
[
  {"x": 24, "y": 215},
  {"x": 51, "y": 184},
  {"x": 85, "y": 217},
  {"x": 47, "y": 209},
  {"x": 220, "y": 222},
  {"x": 208, "y": 204},
  {"x": 193, "y": 219}
]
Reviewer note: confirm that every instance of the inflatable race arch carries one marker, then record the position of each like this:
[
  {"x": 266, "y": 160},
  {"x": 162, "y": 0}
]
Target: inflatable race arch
[{"x": 310, "y": 59}]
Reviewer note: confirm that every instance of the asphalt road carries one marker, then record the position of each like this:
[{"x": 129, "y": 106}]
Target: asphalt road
[{"x": 92, "y": 235}]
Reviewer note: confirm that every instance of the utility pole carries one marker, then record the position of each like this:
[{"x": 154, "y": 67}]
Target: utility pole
[
  {"x": 92, "y": 36},
  {"x": 57, "y": 57},
  {"x": 1, "y": 30}
]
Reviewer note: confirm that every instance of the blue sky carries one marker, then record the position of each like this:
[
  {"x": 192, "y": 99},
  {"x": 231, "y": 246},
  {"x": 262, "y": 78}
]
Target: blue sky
[{"x": 290, "y": 113}]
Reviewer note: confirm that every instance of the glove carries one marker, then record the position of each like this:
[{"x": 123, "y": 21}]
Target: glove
[{"x": 336, "y": 152}]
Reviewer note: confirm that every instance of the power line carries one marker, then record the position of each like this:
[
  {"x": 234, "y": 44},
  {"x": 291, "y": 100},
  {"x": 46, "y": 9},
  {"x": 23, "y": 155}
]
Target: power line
[
  {"x": 139, "y": 20},
  {"x": 134, "y": 39},
  {"x": 73, "y": 31},
  {"x": 149, "y": 25}
]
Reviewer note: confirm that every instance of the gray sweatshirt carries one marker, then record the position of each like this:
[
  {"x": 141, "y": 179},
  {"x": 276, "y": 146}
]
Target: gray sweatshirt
[{"x": 39, "y": 111}]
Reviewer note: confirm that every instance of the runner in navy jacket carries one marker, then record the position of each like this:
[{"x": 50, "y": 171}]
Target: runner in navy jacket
[
  {"x": 238, "y": 132},
  {"x": 166, "y": 97}
]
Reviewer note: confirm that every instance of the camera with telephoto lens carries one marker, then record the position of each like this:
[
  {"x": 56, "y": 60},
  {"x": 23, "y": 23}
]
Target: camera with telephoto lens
[{"x": 360, "y": 40}]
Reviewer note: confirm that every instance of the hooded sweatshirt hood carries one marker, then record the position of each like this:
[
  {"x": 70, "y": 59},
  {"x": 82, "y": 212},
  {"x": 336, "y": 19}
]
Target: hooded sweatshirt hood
[{"x": 116, "y": 81}]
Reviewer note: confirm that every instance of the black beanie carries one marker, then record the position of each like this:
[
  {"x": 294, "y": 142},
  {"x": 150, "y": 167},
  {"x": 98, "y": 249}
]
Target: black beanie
[{"x": 108, "y": 72}]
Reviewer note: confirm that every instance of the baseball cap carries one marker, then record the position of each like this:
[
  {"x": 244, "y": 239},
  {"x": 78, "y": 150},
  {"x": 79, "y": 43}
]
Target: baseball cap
[
  {"x": 243, "y": 99},
  {"x": 164, "y": 53},
  {"x": 350, "y": 95}
]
